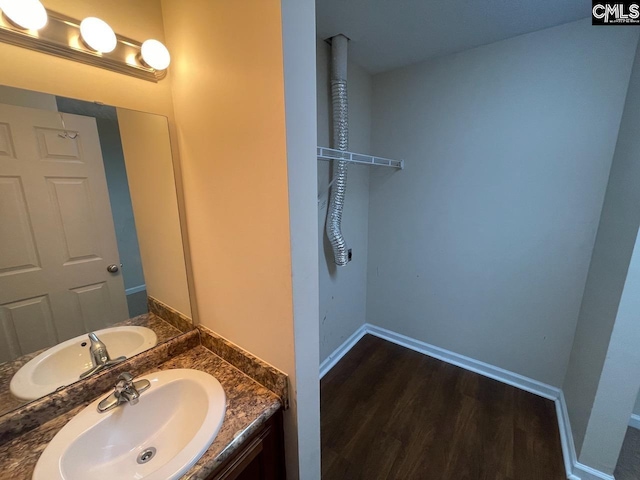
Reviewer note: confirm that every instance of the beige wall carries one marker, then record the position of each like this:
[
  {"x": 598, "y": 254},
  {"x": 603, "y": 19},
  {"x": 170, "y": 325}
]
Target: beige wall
[
  {"x": 228, "y": 94},
  {"x": 147, "y": 153},
  {"x": 229, "y": 104},
  {"x": 140, "y": 20}
]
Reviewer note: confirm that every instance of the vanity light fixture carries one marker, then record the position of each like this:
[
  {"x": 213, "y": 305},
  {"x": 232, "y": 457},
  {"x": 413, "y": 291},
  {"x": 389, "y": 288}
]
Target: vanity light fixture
[
  {"x": 25, "y": 14},
  {"x": 98, "y": 35},
  {"x": 155, "y": 54},
  {"x": 28, "y": 24}
]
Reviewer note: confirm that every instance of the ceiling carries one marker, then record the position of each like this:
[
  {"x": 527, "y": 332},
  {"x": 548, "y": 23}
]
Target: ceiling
[{"x": 387, "y": 34}]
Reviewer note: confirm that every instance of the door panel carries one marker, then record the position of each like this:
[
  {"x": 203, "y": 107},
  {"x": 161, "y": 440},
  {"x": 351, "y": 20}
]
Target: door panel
[
  {"x": 18, "y": 253},
  {"x": 59, "y": 145},
  {"x": 6, "y": 144},
  {"x": 94, "y": 304},
  {"x": 56, "y": 231},
  {"x": 30, "y": 323},
  {"x": 70, "y": 199}
]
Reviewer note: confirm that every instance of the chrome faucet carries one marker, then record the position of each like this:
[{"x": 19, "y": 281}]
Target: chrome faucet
[
  {"x": 125, "y": 391},
  {"x": 99, "y": 356}
]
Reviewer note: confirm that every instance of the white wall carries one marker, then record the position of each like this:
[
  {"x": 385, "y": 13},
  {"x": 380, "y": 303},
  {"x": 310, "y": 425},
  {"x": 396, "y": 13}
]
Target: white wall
[
  {"x": 298, "y": 41},
  {"x": 601, "y": 304},
  {"x": 482, "y": 244},
  {"x": 620, "y": 379},
  {"x": 343, "y": 290}
]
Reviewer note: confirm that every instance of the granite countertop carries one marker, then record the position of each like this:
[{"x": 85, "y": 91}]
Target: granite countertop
[
  {"x": 249, "y": 405},
  {"x": 163, "y": 330}
]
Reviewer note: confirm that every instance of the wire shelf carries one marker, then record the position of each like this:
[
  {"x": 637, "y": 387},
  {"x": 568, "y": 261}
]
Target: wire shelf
[{"x": 332, "y": 154}]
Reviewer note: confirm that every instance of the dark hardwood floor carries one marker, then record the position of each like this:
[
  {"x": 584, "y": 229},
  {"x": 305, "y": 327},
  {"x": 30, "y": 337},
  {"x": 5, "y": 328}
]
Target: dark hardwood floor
[
  {"x": 390, "y": 413},
  {"x": 628, "y": 467}
]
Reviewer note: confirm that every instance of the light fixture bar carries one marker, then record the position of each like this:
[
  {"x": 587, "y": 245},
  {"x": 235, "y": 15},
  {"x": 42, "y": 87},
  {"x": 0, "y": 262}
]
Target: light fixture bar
[{"x": 61, "y": 37}]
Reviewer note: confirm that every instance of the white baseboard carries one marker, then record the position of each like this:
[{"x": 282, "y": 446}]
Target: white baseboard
[
  {"x": 566, "y": 438},
  {"x": 340, "y": 352},
  {"x": 132, "y": 290},
  {"x": 583, "y": 472},
  {"x": 634, "y": 421},
  {"x": 575, "y": 470},
  {"x": 476, "y": 366}
]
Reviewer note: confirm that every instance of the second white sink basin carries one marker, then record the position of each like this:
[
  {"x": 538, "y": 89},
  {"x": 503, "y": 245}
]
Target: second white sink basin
[
  {"x": 62, "y": 365},
  {"x": 174, "y": 423}
]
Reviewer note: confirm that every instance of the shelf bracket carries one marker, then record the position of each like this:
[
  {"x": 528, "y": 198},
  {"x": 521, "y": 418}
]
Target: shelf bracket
[{"x": 332, "y": 154}]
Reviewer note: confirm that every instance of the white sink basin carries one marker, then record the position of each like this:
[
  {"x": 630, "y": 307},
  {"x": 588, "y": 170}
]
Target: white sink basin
[
  {"x": 179, "y": 416},
  {"x": 62, "y": 365}
]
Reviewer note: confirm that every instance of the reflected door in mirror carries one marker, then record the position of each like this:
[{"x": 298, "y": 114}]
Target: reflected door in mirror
[{"x": 57, "y": 237}]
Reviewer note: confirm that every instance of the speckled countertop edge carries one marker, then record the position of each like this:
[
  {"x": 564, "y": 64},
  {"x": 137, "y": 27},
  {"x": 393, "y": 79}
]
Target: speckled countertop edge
[
  {"x": 249, "y": 405},
  {"x": 261, "y": 371},
  {"x": 169, "y": 315}
]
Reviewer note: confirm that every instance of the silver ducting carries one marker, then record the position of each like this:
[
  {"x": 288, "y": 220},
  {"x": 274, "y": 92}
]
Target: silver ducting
[{"x": 339, "y": 45}]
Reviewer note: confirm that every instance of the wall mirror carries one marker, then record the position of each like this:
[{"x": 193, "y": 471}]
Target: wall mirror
[{"x": 91, "y": 252}]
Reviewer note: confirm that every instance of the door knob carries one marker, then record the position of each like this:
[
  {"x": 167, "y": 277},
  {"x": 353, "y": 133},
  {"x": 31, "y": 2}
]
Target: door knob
[{"x": 113, "y": 268}]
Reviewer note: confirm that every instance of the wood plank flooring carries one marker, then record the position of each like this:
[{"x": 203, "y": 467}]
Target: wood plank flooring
[
  {"x": 628, "y": 467},
  {"x": 390, "y": 413}
]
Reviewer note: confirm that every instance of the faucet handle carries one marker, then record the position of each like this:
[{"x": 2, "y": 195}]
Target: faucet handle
[
  {"x": 125, "y": 376},
  {"x": 125, "y": 390},
  {"x": 125, "y": 381}
]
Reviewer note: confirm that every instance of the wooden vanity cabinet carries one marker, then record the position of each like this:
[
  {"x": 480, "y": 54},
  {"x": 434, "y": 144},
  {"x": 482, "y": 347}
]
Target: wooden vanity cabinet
[{"x": 260, "y": 457}]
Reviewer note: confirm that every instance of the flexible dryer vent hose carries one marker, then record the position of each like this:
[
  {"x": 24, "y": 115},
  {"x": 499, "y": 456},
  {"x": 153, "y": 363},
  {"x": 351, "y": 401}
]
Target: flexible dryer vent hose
[{"x": 339, "y": 45}]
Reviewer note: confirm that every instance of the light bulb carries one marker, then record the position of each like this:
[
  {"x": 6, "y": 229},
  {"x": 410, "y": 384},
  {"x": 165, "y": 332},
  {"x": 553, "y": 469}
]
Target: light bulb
[
  {"x": 98, "y": 35},
  {"x": 27, "y": 14},
  {"x": 155, "y": 54}
]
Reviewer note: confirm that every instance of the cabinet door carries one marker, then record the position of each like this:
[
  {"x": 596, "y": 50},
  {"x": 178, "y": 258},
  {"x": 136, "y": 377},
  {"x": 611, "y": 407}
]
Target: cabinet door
[{"x": 261, "y": 458}]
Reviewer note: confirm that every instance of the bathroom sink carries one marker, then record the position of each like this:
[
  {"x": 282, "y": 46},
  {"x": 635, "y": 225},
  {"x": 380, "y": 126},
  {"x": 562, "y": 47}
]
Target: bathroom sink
[
  {"x": 62, "y": 365},
  {"x": 159, "y": 438}
]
